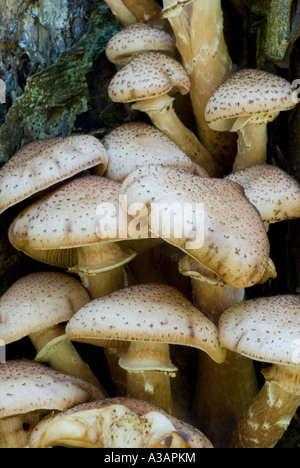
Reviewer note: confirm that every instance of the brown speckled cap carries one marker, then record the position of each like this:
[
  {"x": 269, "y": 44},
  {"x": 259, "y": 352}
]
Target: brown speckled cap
[
  {"x": 150, "y": 313},
  {"x": 235, "y": 243},
  {"x": 272, "y": 191},
  {"x": 129, "y": 422},
  {"x": 137, "y": 144},
  {"x": 148, "y": 75},
  {"x": 248, "y": 96},
  {"x": 265, "y": 329},
  {"x": 138, "y": 38},
  {"x": 38, "y": 301},
  {"x": 27, "y": 386},
  {"x": 43, "y": 163}
]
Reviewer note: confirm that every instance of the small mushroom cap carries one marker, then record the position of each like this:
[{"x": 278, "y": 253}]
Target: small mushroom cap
[
  {"x": 248, "y": 96},
  {"x": 147, "y": 312},
  {"x": 27, "y": 386},
  {"x": 264, "y": 329},
  {"x": 38, "y": 301},
  {"x": 136, "y": 144},
  {"x": 116, "y": 422},
  {"x": 148, "y": 75},
  {"x": 82, "y": 212},
  {"x": 138, "y": 38},
  {"x": 228, "y": 233},
  {"x": 43, "y": 163},
  {"x": 272, "y": 191}
]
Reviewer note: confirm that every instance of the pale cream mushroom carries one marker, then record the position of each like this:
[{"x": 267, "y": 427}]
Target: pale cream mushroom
[
  {"x": 76, "y": 227},
  {"x": 149, "y": 318},
  {"x": 148, "y": 81},
  {"x": 274, "y": 192},
  {"x": 44, "y": 163},
  {"x": 138, "y": 38},
  {"x": 246, "y": 103},
  {"x": 198, "y": 28},
  {"x": 36, "y": 306},
  {"x": 136, "y": 144},
  {"x": 116, "y": 423},
  {"x": 266, "y": 329},
  {"x": 133, "y": 11},
  {"x": 29, "y": 390}
]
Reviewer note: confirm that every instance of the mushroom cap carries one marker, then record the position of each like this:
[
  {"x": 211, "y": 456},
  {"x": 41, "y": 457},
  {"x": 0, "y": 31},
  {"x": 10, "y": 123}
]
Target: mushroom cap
[
  {"x": 136, "y": 144},
  {"x": 82, "y": 212},
  {"x": 43, "y": 163},
  {"x": 27, "y": 386},
  {"x": 116, "y": 422},
  {"x": 265, "y": 329},
  {"x": 148, "y": 75},
  {"x": 138, "y": 38},
  {"x": 38, "y": 301},
  {"x": 248, "y": 96},
  {"x": 271, "y": 190},
  {"x": 228, "y": 233},
  {"x": 148, "y": 312}
]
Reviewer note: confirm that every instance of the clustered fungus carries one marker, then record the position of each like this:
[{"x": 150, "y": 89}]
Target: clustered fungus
[{"x": 106, "y": 214}]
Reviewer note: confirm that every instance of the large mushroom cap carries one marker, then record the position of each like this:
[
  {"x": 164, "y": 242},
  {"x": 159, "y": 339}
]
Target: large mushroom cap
[
  {"x": 138, "y": 38},
  {"x": 82, "y": 212},
  {"x": 38, "y": 301},
  {"x": 27, "y": 386},
  {"x": 148, "y": 75},
  {"x": 264, "y": 329},
  {"x": 117, "y": 422},
  {"x": 136, "y": 144},
  {"x": 148, "y": 312},
  {"x": 248, "y": 96},
  {"x": 271, "y": 190},
  {"x": 228, "y": 234},
  {"x": 43, "y": 163}
]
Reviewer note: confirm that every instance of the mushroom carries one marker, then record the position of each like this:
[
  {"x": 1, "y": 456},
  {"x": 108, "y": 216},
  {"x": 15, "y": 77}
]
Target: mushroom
[
  {"x": 147, "y": 81},
  {"x": 138, "y": 38},
  {"x": 44, "y": 163},
  {"x": 148, "y": 317},
  {"x": 266, "y": 329},
  {"x": 136, "y": 144},
  {"x": 198, "y": 28},
  {"x": 116, "y": 423},
  {"x": 246, "y": 103},
  {"x": 29, "y": 390},
  {"x": 34, "y": 306},
  {"x": 77, "y": 227},
  {"x": 132, "y": 11},
  {"x": 274, "y": 192}
]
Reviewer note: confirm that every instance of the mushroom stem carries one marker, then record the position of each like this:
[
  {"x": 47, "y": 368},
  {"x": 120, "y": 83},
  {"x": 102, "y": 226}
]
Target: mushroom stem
[
  {"x": 163, "y": 115},
  {"x": 271, "y": 412},
  {"x": 252, "y": 146},
  {"x": 15, "y": 430},
  {"x": 121, "y": 12},
  {"x": 149, "y": 369},
  {"x": 53, "y": 347},
  {"x": 134, "y": 11}
]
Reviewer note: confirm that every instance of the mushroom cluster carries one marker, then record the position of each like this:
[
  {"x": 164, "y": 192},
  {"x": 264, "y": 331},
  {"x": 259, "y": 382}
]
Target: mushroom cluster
[{"x": 147, "y": 249}]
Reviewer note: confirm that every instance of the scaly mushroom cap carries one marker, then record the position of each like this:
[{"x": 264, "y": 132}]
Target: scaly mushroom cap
[
  {"x": 136, "y": 144},
  {"x": 272, "y": 191},
  {"x": 43, "y": 163},
  {"x": 116, "y": 423},
  {"x": 148, "y": 75},
  {"x": 82, "y": 212},
  {"x": 264, "y": 329},
  {"x": 229, "y": 235},
  {"x": 248, "y": 96},
  {"x": 148, "y": 312},
  {"x": 27, "y": 386},
  {"x": 38, "y": 301},
  {"x": 138, "y": 38}
]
